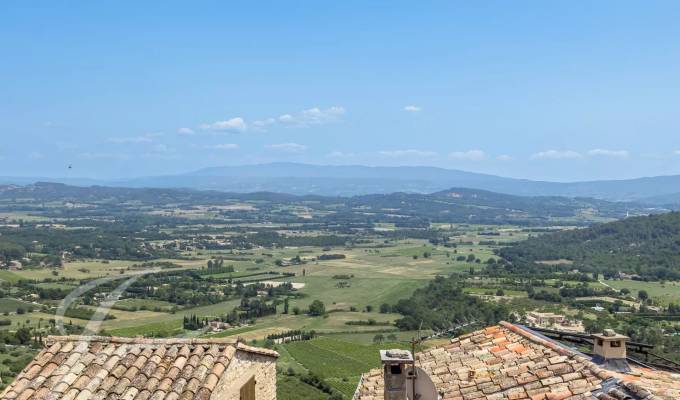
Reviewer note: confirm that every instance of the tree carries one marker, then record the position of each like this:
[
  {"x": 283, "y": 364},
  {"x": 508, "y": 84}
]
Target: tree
[
  {"x": 500, "y": 292},
  {"x": 296, "y": 310},
  {"x": 385, "y": 308},
  {"x": 285, "y": 305},
  {"x": 471, "y": 258},
  {"x": 369, "y": 308},
  {"x": 379, "y": 338},
  {"x": 643, "y": 295},
  {"x": 23, "y": 335},
  {"x": 317, "y": 308}
]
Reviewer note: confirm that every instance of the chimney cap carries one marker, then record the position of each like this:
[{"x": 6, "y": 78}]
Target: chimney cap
[
  {"x": 395, "y": 356},
  {"x": 610, "y": 334}
]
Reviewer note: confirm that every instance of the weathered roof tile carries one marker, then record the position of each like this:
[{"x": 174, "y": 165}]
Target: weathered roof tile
[
  {"x": 512, "y": 362},
  {"x": 94, "y": 367}
]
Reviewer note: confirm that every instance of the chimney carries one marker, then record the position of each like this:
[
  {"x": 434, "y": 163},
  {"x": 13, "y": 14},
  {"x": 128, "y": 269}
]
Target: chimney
[
  {"x": 609, "y": 350},
  {"x": 396, "y": 364}
]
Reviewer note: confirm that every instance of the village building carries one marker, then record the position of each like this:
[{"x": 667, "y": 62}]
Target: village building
[
  {"x": 513, "y": 362},
  {"x": 97, "y": 367},
  {"x": 553, "y": 321}
]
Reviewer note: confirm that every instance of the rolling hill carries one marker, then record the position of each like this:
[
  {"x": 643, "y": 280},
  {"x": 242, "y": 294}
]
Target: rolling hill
[
  {"x": 414, "y": 209},
  {"x": 648, "y": 246}
]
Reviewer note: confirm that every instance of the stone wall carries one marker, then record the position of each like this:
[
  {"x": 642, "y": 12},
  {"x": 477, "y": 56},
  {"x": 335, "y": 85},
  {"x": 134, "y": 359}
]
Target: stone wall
[{"x": 242, "y": 367}]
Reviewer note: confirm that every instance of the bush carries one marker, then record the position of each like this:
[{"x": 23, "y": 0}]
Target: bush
[{"x": 317, "y": 308}]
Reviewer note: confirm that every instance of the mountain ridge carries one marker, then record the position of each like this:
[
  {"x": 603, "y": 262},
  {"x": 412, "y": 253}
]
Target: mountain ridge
[{"x": 349, "y": 180}]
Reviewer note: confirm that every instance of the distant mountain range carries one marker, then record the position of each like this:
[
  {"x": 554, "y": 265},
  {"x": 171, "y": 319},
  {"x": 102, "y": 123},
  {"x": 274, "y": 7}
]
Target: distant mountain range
[{"x": 350, "y": 180}]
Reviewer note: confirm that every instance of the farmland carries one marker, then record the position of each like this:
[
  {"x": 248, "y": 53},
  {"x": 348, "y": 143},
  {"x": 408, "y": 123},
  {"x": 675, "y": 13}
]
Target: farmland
[{"x": 356, "y": 274}]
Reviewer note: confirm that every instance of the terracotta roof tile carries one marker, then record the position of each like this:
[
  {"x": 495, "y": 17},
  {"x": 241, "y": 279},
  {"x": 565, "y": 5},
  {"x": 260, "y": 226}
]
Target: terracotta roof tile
[
  {"x": 512, "y": 362},
  {"x": 94, "y": 367}
]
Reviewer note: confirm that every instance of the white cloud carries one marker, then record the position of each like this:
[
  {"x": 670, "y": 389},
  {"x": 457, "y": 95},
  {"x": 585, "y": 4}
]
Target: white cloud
[
  {"x": 504, "y": 157},
  {"x": 407, "y": 153},
  {"x": 556, "y": 155},
  {"x": 677, "y": 152},
  {"x": 412, "y": 108},
  {"x": 309, "y": 117},
  {"x": 223, "y": 146},
  {"x": 312, "y": 116},
  {"x": 145, "y": 138},
  {"x": 261, "y": 124},
  {"x": 340, "y": 154},
  {"x": 470, "y": 155},
  {"x": 609, "y": 153},
  {"x": 236, "y": 124},
  {"x": 287, "y": 147}
]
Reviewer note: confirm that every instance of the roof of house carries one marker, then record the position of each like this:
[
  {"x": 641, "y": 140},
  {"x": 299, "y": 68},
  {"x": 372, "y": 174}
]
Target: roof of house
[
  {"x": 512, "y": 362},
  {"x": 97, "y": 367}
]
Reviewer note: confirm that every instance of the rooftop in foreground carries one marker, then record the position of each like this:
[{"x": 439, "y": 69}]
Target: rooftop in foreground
[
  {"x": 97, "y": 367},
  {"x": 512, "y": 362}
]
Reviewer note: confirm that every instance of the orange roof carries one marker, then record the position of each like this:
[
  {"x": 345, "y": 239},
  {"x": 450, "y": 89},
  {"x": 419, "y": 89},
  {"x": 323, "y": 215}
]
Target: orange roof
[
  {"x": 512, "y": 362},
  {"x": 96, "y": 367}
]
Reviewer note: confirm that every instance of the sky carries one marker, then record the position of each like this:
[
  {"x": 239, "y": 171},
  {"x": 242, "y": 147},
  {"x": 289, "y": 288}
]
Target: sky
[{"x": 558, "y": 90}]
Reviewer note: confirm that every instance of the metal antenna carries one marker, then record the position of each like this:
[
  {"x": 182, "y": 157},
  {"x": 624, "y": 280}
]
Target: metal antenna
[{"x": 415, "y": 341}]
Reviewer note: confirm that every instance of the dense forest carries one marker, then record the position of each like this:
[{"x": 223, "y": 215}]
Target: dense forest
[
  {"x": 442, "y": 305},
  {"x": 646, "y": 246}
]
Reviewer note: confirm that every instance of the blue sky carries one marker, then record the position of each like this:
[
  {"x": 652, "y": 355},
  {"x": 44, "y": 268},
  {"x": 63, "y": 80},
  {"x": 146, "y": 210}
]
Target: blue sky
[{"x": 558, "y": 90}]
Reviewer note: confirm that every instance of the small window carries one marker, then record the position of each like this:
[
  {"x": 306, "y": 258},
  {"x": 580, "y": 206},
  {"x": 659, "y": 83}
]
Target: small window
[
  {"x": 600, "y": 342},
  {"x": 395, "y": 369},
  {"x": 615, "y": 343},
  {"x": 248, "y": 390}
]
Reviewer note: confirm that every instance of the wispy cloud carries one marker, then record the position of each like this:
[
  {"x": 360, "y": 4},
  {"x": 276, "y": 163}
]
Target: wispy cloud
[
  {"x": 222, "y": 146},
  {"x": 287, "y": 147},
  {"x": 305, "y": 118},
  {"x": 557, "y": 155},
  {"x": 412, "y": 108},
  {"x": 505, "y": 157},
  {"x": 262, "y": 124},
  {"x": 35, "y": 155},
  {"x": 407, "y": 153},
  {"x": 609, "y": 153},
  {"x": 236, "y": 124},
  {"x": 677, "y": 152},
  {"x": 340, "y": 154},
  {"x": 470, "y": 155},
  {"x": 145, "y": 138},
  {"x": 312, "y": 116}
]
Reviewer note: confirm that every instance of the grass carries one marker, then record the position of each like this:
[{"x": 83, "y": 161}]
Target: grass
[
  {"x": 291, "y": 388},
  {"x": 8, "y": 305},
  {"x": 143, "y": 304},
  {"x": 340, "y": 363},
  {"x": 661, "y": 293}
]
